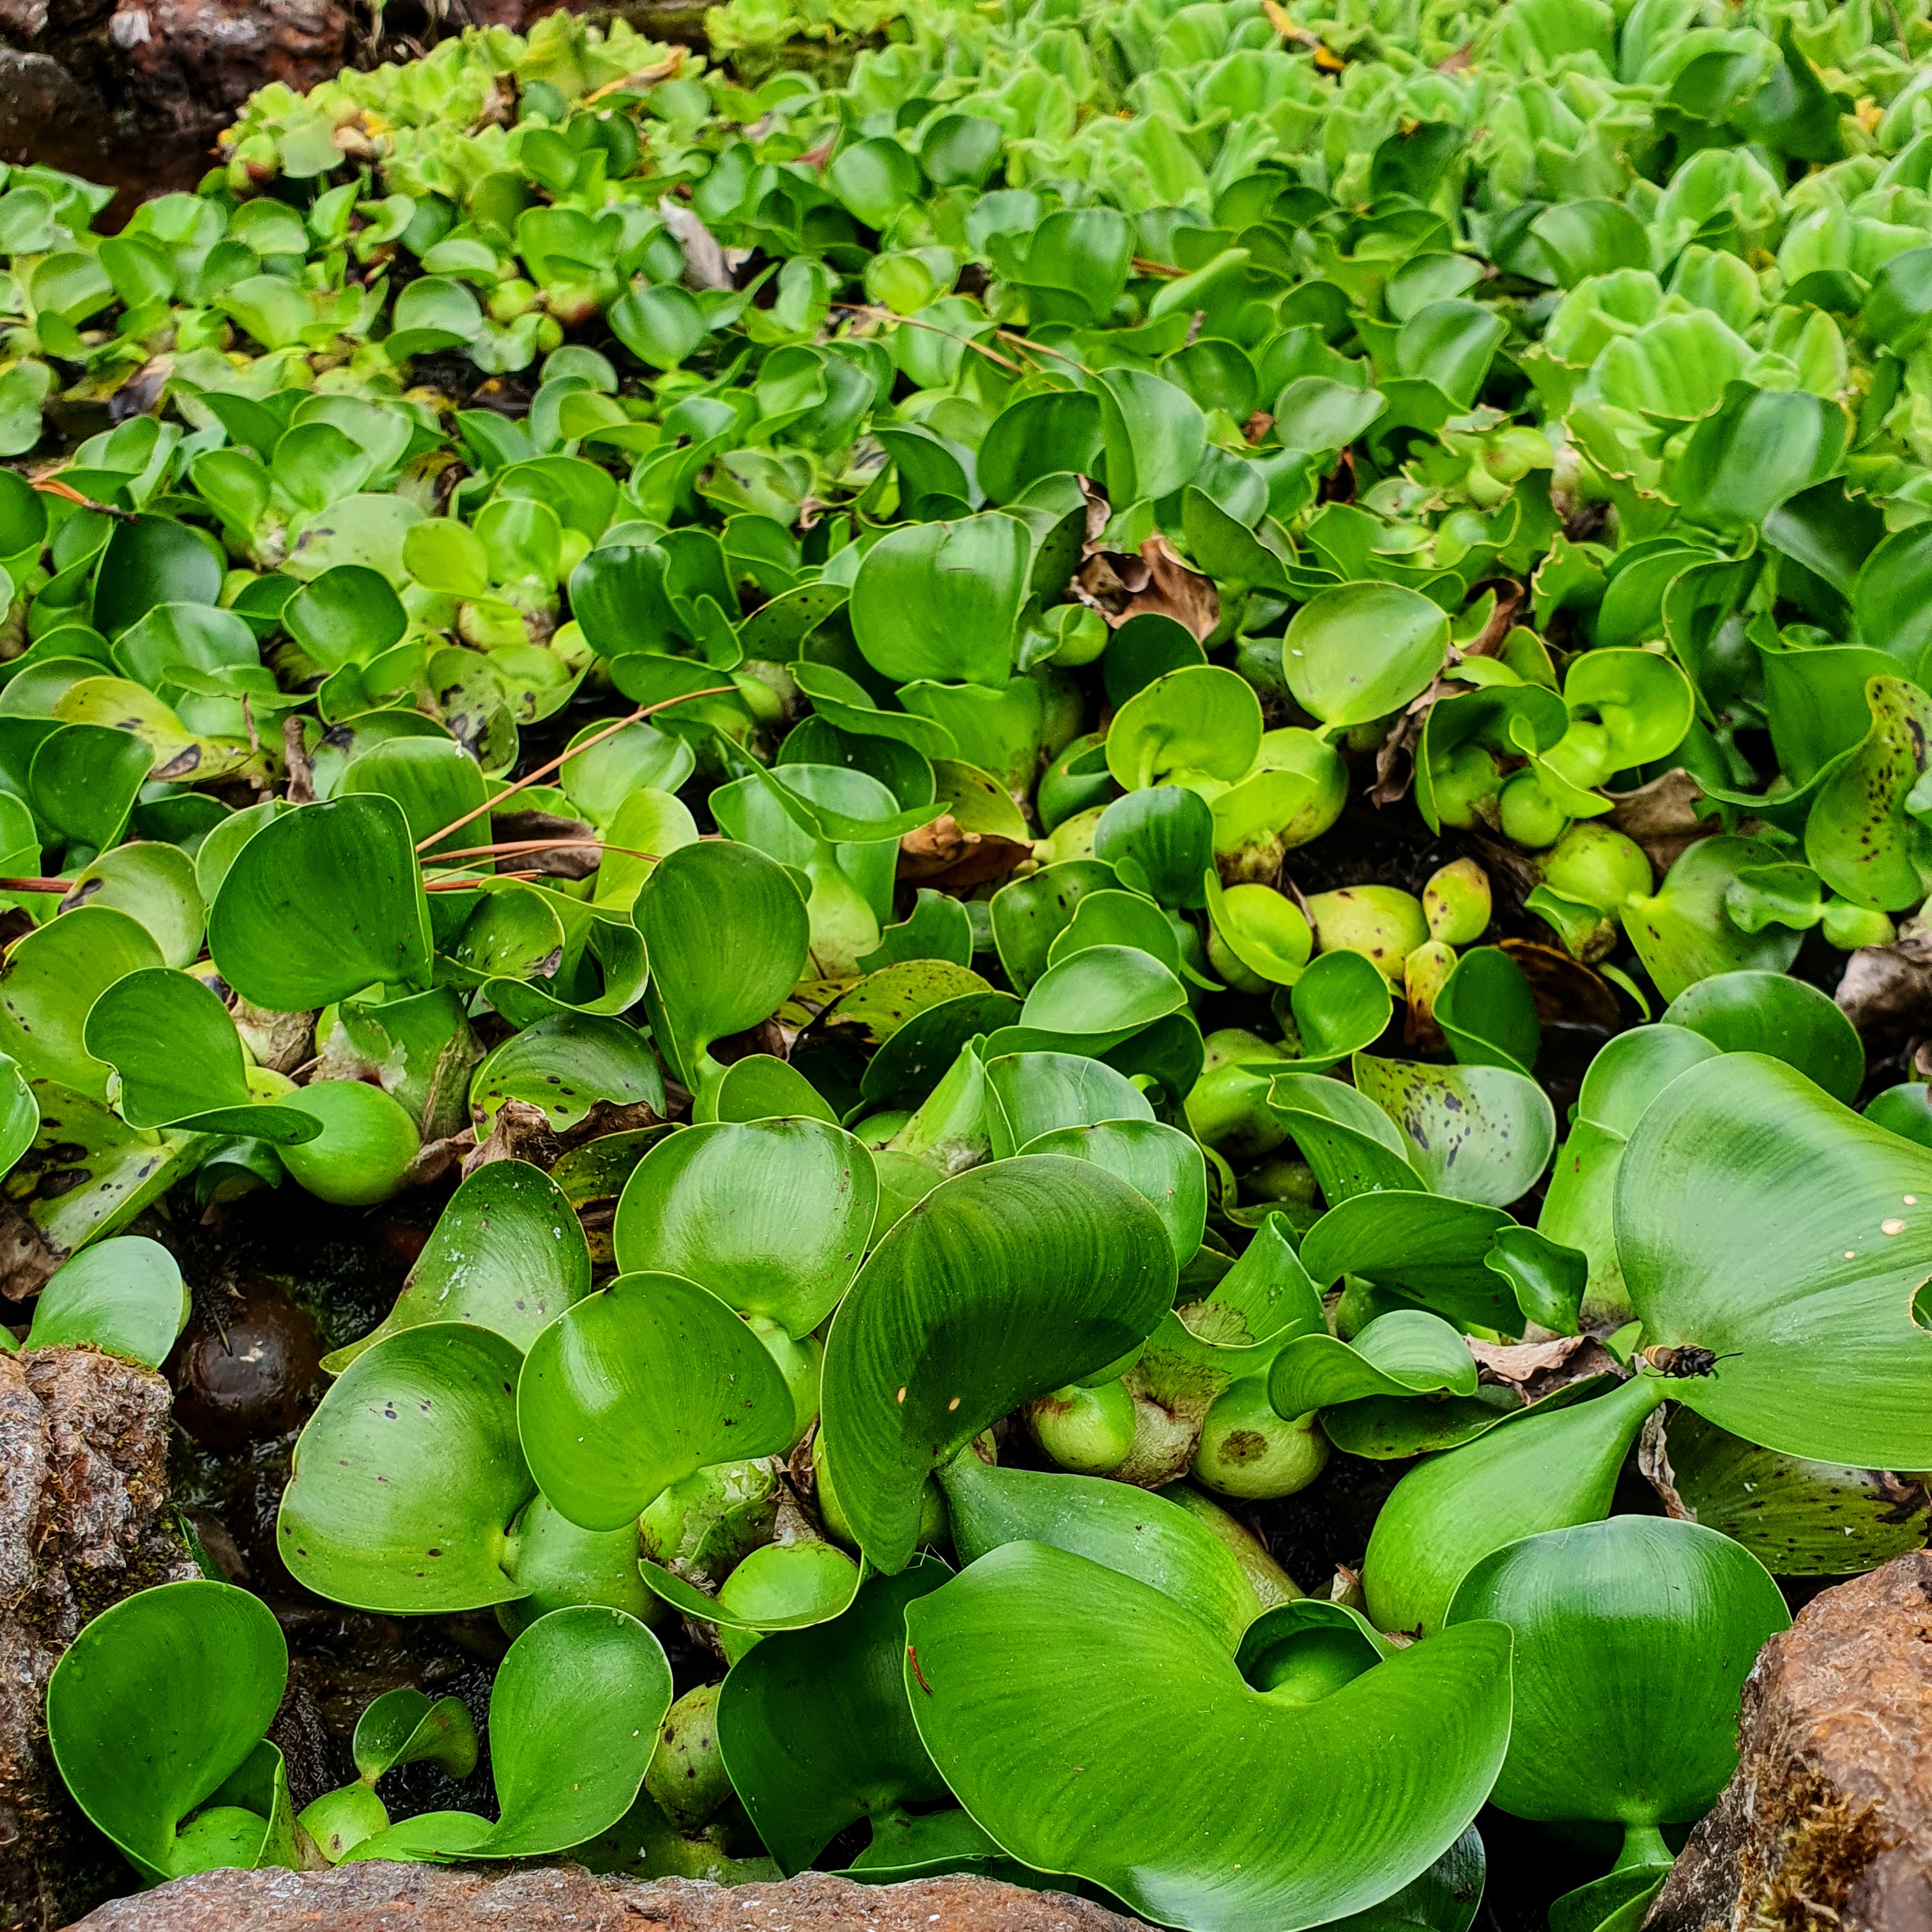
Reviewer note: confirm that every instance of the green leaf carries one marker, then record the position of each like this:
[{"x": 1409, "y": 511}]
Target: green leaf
[
  {"x": 1432, "y": 1248},
  {"x": 1860, "y": 836},
  {"x": 1682, "y": 933},
  {"x": 320, "y": 903},
  {"x": 49, "y": 983},
  {"x": 727, "y": 933},
  {"x": 1139, "y": 1534},
  {"x": 123, "y": 1296},
  {"x": 1760, "y": 447},
  {"x": 660, "y": 324},
  {"x": 1162, "y": 1164},
  {"x": 566, "y": 1063},
  {"x": 1405, "y": 1352},
  {"x": 639, "y": 1386},
  {"x": 1543, "y": 1468},
  {"x": 1759, "y": 1220},
  {"x": 150, "y": 561},
  {"x": 1360, "y": 651},
  {"x": 1487, "y": 1012},
  {"x": 1340, "y": 1003},
  {"x": 813, "y": 1725},
  {"x": 408, "y": 1477},
  {"x": 1238, "y": 1831},
  {"x": 155, "y": 884},
  {"x": 405, "y": 1727},
  {"x": 506, "y": 1254},
  {"x": 1767, "y": 1013},
  {"x": 1480, "y": 1133},
  {"x": 1002, "y": 1283},
  {"x": 1798, "y": 1517},
  {"x": 348, "y": 615},
  {"x": 1153, "y": 434},
  {"x": 574, "y": 1717},
  {"x": 940, "y": 600},
  {"x": 773, "y": 1216},
  {"x": 1201, "y": 718},
  {"x": 179, "y": 1060},
  {"x": 156, "y": 1704},
  {"x": 1633, "y": 1639}
]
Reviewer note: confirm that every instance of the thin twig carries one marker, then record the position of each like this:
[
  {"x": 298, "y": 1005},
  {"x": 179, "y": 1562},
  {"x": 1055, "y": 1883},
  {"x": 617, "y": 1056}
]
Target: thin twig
[
  {"x": 1042, "y": 349},
  {"x": 872, "y": 314},
  {"x": 550, "y": 765},
  {"x": 52, "y": 486},
  {"x": 63, "y": 887},
  {"x": 473, "y": 885},
  {"x": 509, "y": 848}
]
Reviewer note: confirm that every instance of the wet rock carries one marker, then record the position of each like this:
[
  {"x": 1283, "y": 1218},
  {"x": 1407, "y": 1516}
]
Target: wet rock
[
  {"x": 1827, "y": 1826},
  {"x": 133, "y": 92},
  {"x": 84, "y": 1521},
  {"x": 144, "y": 86},
  {"x": 424, "y": 1898},
  {"x": 247, "y": 1368},
  {"x": 1886, "y": 991}
]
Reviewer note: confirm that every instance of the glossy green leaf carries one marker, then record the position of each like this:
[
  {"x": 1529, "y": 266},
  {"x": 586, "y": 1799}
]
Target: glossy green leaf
[
  {"x": 1004, "y": 1282},
  {"x": 726, "y": 934},
  {"x": 1759, "y": 1220},
  {"x": 408, "y": 1477},
  {"x": 636, "y": 1387},
  {"x": 506, "y": 1254},
  {"x": 1236, "y": 1833},
  {"x": 1130, "y": 1530},
  {"x": 319, "y": 904},
  {"x": 574, "y": 1717},
  {"x": 813, "y": 1724},
  {"x": 1405, "y": 1352},
  {"x": 153, "y": 1708},
  {"x": 772, "y": 1216},
  {"x": 1633, "y": 1639},
  {"x": 124, "y": 1296},
  {"x": 1480, "y": 1133},
  {"x": 179, "y": 1060},
  {"x": 1360, "y": 651},
  {"x": 1543, "y": 1469}
]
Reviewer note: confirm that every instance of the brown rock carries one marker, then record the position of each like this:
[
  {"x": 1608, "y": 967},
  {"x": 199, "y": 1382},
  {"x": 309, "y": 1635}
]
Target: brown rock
[
  {"x": 378, "y": 1897},
  {"x": 83, "y": 1521},
  {"x": 133, "y": 92},
  {"x": 1886, "y": 991},
  {"x": 1827, "y": 1826}
]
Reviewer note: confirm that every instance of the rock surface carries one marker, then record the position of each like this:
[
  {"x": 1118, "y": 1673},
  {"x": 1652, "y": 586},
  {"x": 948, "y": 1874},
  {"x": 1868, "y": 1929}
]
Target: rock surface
[
  {"x": 83, "y": 1521},
  {"x": 133, "y": 92},
  {"x": 379, "y": 1897},
  {"x": 1827, "y": 1826}
]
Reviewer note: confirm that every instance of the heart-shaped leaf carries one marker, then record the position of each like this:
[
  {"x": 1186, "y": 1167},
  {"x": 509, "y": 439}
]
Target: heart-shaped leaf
[
  {"x": 1406, "y": 1352},
  {"x": 320, "y": 903},
  {"x": 408, "y": 1477},
  {"x": 124, "y": 1296},
  {"x": 773, "y": 1216},
  {"x": 726, "y": 934},
  {"x": 157, "y": 1703},
  {"x": 1238, "y": 1832},
  {"x": 574, "y": 1717},
  {"x": 814, "y": 1725},
  {"x": 639, "y": 1386},
  {"x": 1633, "y": 1639}
]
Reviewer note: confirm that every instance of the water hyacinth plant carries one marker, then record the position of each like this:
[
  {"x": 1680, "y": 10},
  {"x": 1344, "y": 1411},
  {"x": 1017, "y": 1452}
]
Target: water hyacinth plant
[{"x": 1051, "y": 784}]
